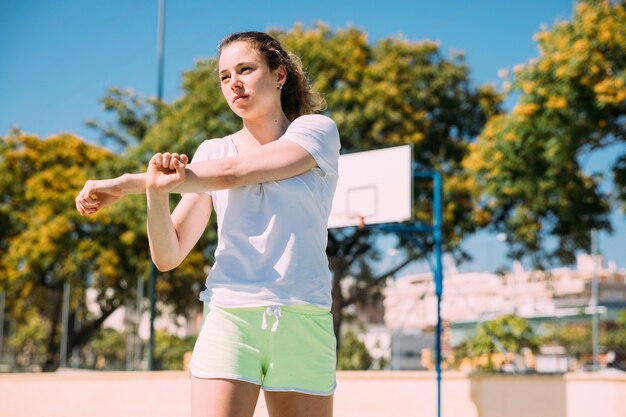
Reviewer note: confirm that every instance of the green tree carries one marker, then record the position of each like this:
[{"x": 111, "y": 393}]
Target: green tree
[
  {"x": 506, "y": 336},
  {"x": 29, "y": 341},
  {"x": 614, "y": 339},
  {"x": 46, "y": 243},
  {"x": 109, "y": 347},
  {"x": 574, "y": 337},
  {"x": 352, "y": 354},
  {"x": 526, "y": 165},
  {"x": 170, "y": 350},
  {"x": 134, "y": 116}
]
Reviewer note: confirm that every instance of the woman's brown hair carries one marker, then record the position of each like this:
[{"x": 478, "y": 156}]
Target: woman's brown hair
[{"x": 297, "y": 96}]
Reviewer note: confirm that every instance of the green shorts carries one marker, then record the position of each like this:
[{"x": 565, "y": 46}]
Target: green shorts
[{"x": 286, "y": 348}]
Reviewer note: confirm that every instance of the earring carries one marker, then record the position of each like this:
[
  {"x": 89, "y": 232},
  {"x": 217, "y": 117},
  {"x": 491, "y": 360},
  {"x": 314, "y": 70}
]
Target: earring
[{"x": 279, "y": 86}]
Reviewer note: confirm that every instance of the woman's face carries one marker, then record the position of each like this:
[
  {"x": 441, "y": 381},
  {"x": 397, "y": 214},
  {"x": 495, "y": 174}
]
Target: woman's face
[{"x": 248, "y": 84}]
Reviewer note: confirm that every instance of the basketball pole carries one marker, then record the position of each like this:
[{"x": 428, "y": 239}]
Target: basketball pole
[
  {"x": 438, "y": 273},
  {"x": 436, "y": 230},
  {"x": 437, "y": 233}
]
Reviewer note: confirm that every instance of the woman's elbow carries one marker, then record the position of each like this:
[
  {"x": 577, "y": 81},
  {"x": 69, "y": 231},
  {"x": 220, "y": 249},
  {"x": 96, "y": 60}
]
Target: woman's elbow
[
  {"x": 232, "y": 175},
  {"x": 164, "y": 265}
]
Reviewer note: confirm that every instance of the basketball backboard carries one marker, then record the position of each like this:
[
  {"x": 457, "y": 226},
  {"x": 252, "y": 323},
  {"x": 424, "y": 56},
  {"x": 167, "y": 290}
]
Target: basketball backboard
[{"x": 374, "y": 187}]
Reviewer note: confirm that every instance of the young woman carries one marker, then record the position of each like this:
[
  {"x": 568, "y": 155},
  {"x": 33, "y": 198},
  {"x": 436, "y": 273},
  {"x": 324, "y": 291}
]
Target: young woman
[{"x": 268, "y": 296}]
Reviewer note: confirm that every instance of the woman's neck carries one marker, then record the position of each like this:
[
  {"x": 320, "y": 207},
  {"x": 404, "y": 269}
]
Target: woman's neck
[{"x": 267, "y": 129}]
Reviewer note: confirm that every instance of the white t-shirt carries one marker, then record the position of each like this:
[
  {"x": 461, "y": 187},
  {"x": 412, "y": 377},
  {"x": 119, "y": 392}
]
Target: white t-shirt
[{"x": 272, "y": 236}]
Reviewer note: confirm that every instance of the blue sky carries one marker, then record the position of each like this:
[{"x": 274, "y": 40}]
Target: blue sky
[{"x": 58, "y": 58}]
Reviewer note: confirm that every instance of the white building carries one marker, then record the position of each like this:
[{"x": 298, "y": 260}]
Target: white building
[{"x": 410, "y": 301}]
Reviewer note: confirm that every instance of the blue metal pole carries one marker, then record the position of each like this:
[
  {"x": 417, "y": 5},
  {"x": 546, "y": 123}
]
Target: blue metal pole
[
  {"x": 153, "y": 270},
  {"x": 437, "y": 233},
  {"x": 160, "y": 47}
]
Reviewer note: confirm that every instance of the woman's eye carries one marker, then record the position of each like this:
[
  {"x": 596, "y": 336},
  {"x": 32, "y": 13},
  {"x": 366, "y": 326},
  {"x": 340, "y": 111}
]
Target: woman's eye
[
  {"x": 224, "y": 78},
  {"x": 246, "y": 69}
]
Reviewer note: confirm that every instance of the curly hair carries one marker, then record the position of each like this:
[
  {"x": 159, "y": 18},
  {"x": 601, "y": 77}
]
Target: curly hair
[{"x": 297, "y": 96}]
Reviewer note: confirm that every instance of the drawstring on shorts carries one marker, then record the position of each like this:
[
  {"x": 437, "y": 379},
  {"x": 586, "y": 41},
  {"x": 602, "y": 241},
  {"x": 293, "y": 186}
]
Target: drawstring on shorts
[{"x": 273, "y": 311}]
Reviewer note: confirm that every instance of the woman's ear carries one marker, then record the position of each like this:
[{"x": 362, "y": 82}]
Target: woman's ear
[{"x": 281, "y": 74}]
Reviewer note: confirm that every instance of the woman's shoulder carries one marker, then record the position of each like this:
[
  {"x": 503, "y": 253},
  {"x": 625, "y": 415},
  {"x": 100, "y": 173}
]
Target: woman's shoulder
[
  {"x": 214, "y": 142},
  {"x": 318, "y": 124},
  {"x": 316, "y": 133},
  {"x": 315, "y": 118},
  {"x": 214, "y": 148}
]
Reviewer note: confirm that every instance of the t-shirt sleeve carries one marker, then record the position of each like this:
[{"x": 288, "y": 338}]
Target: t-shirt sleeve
[
  {"x": 319, "y": 136},
  {"x": 201, "y": 154},
  {"x": 211, "y": 149}
]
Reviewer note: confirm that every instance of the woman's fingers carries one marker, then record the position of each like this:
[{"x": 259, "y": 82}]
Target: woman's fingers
[
  {"x": 156, "y": 160},
  {"x": 166, "y": 159},
  {"x": 178, "y": 161},
  {"x": 87, "y": 201},
  {"x": 85, "y": 207}
]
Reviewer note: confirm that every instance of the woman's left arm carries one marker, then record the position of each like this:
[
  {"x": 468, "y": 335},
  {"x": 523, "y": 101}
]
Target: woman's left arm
[
  {"x": 310, "y": 141},
  {"x": 274, "y": 161}
]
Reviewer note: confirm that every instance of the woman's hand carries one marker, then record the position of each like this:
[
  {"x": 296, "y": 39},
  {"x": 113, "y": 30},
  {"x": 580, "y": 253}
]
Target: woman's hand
[
  {"x": 97, "y": 194},
  {"x": 165, "y": 172}
]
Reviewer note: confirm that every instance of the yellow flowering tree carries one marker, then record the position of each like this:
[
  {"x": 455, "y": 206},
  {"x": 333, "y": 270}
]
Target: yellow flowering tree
[
  {"x": 45, "y": 243},
  {"x": 526, "y": 165}
]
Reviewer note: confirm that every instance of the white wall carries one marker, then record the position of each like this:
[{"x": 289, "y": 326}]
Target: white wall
[{"x": 362, "y": 394}]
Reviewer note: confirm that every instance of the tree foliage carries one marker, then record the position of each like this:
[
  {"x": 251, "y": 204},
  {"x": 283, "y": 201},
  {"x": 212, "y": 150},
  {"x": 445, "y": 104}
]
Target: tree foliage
[
  {"x": 574, "y": 337},
  {"x": 614, "y": 339},
  {"x": 134, "y": 116},
  {"x": 109, "y": 348},
  {"x": 170, "y": 350},
  {"x": 503, "y": 337},
  {"x": 526, "y": 165},
  {"x": 353, "y": 355},
  {"x": 46, "y": 243}
]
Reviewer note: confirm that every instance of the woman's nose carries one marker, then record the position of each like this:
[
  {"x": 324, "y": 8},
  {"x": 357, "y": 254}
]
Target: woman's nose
[{"x": 235, "y": 83}]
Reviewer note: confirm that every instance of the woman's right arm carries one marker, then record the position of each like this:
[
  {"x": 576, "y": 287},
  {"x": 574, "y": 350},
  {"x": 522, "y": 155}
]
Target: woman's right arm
[
  {"x": 171, "y": 237},
  {"x": 97, "y": 194}
]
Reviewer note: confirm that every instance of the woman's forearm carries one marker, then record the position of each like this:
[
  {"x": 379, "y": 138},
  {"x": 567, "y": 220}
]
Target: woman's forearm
[
  {"x": 162, "y": 236},
  {"x": 132, "y": 183},
  {"x": 218, "y": 174},
  {"x": 200, "y": 177},
  {"x": 271, "y": 162}
]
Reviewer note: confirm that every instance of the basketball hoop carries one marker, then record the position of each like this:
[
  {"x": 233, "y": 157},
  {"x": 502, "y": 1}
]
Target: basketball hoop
[{"x": 374, "y": 187}]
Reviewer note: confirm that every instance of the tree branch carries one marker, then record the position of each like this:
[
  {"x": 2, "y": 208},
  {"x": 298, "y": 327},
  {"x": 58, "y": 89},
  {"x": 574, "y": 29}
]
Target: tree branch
[
  {"x": 378, "y": 280},
  {"x": 86, "y": 332}
]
